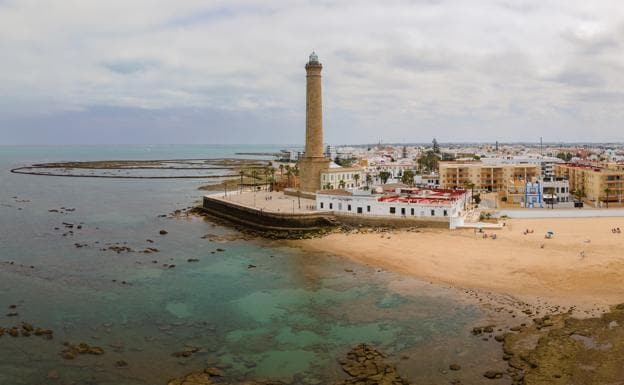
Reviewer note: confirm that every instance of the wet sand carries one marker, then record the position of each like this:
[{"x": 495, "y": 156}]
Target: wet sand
[{"x": 582, "y": 265}]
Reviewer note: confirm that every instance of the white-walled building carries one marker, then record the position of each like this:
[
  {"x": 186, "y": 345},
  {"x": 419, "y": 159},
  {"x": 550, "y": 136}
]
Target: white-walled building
[
  {"x": 546, "y": 163},
  {"x": 429, "y": 180},
  {"x": 342, "y": 177},
  {"x": 414, "y": 203}
]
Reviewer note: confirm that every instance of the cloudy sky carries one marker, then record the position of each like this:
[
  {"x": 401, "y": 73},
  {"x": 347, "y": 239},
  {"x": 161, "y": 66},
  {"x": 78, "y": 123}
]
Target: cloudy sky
[{"x": 162, "y": 71}]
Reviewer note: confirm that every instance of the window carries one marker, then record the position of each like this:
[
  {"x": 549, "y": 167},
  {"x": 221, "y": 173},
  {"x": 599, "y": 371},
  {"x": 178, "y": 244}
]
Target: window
[
  {"x": 321, "y": 204},
  {"x": 412, "y": 211},
  {"x": 445, "y": 213},
  {"x": 392, "y": 210},
  {"x": 402, "y": 210},
  {"x": 331, "y": 206},
  {"x": 348, "y": 207},
  {"x": 368, "y": 209},
  {"x": 359, "y": 210},
  {"x": 433, "y": 213}
]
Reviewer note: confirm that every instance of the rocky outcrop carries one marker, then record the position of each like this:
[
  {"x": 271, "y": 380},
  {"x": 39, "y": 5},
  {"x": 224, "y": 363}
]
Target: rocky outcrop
[
  {"x": 368, "y": 366},
  {"x": 364, "y": 364},
  {"x": 559, "y": 349}
]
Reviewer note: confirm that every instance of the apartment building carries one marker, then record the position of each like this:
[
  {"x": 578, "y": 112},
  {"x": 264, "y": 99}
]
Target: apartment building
[
  {"x": 485, "y": 176},
  {"x": 546, "y": 163},
  {"x": 595, "y": 182}
]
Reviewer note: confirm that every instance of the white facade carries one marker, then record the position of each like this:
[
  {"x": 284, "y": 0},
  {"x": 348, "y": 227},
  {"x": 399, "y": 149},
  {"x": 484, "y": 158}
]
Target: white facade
[
  {"x": 342, "y": 177},
  {"x": 431, "y": 180},
  {"x": 557, "y": 188},
  {"x": 546, "y": 163},
  {"x": 391, "y": 205}
]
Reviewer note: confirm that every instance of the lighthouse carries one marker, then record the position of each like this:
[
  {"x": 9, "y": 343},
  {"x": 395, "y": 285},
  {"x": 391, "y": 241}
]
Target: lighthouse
[{"x": 313, "y": 160}]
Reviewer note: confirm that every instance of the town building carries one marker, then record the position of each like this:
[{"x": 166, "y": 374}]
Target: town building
[
  {"x": 596, "y": 183},
  {"x": 537, "y": 193},
  {"x": 427, "y": 180},
  {"x": 410, "y": 202},
  {"x": 556, "y": 191},
  {"x": 546, "y": 163},
  {"x": 342, "y": 177},
  {"x": 483, "y": 176}
]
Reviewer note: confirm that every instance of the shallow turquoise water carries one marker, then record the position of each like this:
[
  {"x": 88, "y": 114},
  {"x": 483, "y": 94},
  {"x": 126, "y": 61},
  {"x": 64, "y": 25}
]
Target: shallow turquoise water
[{"x": 290, "y": 318}]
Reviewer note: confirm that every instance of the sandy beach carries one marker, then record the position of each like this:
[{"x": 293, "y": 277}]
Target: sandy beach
[{"x": 583, "y": 264}]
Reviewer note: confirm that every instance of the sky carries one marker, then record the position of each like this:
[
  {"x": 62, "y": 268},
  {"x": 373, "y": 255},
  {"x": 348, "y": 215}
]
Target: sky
[{"x": 185, "y": 71}]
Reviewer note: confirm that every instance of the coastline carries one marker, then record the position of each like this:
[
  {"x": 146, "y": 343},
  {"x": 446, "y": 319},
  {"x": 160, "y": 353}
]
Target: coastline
[{"x": 579, "y": 266}]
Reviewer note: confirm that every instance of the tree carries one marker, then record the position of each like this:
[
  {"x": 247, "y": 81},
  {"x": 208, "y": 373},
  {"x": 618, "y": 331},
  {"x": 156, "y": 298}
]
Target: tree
[
  {"x": 408, "y": 177},
  {"x": 356, "y": 178},
  {"x": 341, "y": 184},
  {"x": 384, "y": 176},
  {"x": 272, "y": 171},
  {"x": 471, "y": 186},
  {"x": 254, "y": 175},
  {"x": 436, "y": 146},
  {"x": 369, "y": 180},
  {"x": 267, "y": 172},
  {"x": 476, "y": 198},
  {"x": 289, "y": 173},
  {"x": 428, "y": 161}
]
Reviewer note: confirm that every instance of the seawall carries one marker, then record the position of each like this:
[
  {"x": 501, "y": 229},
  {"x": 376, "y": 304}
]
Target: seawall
[
  {"x": 266, "y": 221},
  {"x": 259, "y": 220}
]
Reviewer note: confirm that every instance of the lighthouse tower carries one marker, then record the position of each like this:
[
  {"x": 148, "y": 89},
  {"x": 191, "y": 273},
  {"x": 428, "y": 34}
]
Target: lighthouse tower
[{"x": 313, "y": 160}]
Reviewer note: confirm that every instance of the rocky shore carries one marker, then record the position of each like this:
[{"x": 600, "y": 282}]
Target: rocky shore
[
  {"x": 551, "y": 350},
  {"x": 364, "y": 365},
  {"x": 560, "y": 349}
]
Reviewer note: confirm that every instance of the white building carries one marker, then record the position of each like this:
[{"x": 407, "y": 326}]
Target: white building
[
  {"x": 342, "y": 177},
  {"x": 556, "y": 191},
  {"x": 406, "y": 203},
  {"x": 429, "y": 180},
  {"x": 546, "y": 163}
]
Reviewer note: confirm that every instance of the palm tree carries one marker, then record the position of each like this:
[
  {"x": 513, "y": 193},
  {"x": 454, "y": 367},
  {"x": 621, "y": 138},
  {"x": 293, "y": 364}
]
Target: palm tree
[
  {"x": 471, "y": 186},
  {"x": 288, "y": 173},
  {"x": 369, "y": 180},
  {"x": 281, "y": 167},
  {"x": 272, "y": 171},
  {"x": 267, "y": 172},
  {"x": 356, "y": 177},
  {"x": 341, "y": 184},
  {"x": 254, "y": 175}
]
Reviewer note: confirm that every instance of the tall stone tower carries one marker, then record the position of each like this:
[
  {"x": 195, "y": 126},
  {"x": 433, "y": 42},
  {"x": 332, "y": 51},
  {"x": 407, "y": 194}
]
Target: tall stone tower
[{"x": 313, "y": 160}]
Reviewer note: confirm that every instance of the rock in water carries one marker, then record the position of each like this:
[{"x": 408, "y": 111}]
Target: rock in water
[{"x": 366, "y": 365}]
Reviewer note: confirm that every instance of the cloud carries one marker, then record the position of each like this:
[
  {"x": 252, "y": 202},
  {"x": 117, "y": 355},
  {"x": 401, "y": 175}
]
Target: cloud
[
  {"x": 579, "y": 79},
  {"x": 399, "y": 69}
]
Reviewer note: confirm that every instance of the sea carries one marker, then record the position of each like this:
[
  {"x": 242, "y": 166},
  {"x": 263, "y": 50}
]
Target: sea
[{"x": 256, "y": 308}]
